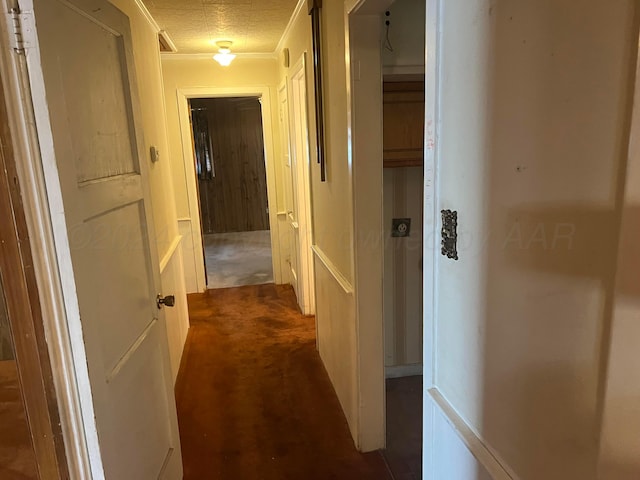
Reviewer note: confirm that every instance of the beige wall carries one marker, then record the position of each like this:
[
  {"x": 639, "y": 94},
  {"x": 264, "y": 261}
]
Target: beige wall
[
  {"x": 147, "y": 63},
  {"x": 535, "y": 100},
  {"x": 204, "y": 72}
]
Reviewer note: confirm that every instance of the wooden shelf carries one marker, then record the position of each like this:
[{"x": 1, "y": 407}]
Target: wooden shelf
[{"x": 403, "y": 128}]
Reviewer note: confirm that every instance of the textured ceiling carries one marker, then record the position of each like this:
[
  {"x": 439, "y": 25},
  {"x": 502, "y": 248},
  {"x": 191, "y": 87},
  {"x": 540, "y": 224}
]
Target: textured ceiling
[{"x": 254, "y": 26}]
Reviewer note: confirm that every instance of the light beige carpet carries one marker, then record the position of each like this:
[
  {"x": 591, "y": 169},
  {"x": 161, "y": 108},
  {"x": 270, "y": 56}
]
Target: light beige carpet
[{"x": 238, "y": 258}]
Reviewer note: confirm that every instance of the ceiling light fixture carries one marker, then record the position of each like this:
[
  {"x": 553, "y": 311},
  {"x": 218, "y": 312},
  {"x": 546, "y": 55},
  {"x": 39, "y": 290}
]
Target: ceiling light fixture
[{"x": 224, "y": 56}]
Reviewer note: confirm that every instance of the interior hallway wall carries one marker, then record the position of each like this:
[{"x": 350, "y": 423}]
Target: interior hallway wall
[
  {"x": 535, "y": 104},
  {"x": 168, "y": 240},
  {"x": 346, "y": 354},
  {"x": 197, "y": 71},
  {"x": 331, "y": 208}
]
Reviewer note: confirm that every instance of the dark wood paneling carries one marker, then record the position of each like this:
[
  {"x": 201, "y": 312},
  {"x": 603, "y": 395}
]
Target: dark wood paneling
[
  {"x": 403, "y": 131},
  {"x": 25, "y": 316},
  {"x": 235, "y": 199}
]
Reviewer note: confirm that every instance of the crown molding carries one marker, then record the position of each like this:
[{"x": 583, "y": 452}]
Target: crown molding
[
  {"x": 147, "y": 14},
  {"x": 209, "y": 56},
  {"x": 292, "y": 20}
]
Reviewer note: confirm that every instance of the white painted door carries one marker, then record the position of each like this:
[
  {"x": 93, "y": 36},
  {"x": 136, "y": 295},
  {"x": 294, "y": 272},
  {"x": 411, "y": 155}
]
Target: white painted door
[
  {"x": 290, "y": 200},
  {"x": 80, "y": 63},
  {"x": 301, "y": 219}
]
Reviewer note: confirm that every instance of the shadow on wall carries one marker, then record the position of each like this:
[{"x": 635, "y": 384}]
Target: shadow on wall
[{"x": 560, "y": 108}]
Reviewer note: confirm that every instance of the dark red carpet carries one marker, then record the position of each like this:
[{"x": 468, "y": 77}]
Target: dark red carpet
[{"x": 254, "y": 400}]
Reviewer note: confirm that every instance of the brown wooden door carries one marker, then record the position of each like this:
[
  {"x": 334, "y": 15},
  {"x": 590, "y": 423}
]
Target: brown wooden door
[{"x": 233, "y": 193}]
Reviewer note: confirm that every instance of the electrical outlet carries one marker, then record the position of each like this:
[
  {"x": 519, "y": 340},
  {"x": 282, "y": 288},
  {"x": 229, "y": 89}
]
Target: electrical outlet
[{"x": 400, "y": 227}]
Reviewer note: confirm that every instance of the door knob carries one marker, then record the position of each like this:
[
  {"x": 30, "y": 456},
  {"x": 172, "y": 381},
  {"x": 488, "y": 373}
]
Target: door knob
[{"x": 169, "y": 301}]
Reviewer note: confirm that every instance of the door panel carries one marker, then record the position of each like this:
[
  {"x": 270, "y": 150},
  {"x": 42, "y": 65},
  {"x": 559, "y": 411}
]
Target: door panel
[
  {"x": 92, "y": 124},
  {"x": 102, "y": 71},
  {"x": 292, "y": 225},
  {"x": 301, "y": 220}
]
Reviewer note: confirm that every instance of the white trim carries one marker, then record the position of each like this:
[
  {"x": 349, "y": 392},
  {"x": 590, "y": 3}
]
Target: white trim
[
  {"x": 430, "y": 227},
  {"x": 496, "y": 468},
  {"x": 431, "y": 192},
  {"x": 34, "y": 196},
  {"x": 262, "y": 91},
  {"x": 164, "y": 261},
  {"x": 209, "y": 56},
  {"x": 147, "y": 15},
  {"x": 292, "y": 21},
  {"x": 333, "y": 270},
  {"x": 398, "y": 371}
]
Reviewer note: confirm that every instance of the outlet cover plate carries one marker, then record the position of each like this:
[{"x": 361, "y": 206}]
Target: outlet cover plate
[{"x": 400, "y": 227}]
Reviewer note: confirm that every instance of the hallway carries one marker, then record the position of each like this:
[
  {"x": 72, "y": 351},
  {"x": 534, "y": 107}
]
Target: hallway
[{"x": 254, "y": 401}]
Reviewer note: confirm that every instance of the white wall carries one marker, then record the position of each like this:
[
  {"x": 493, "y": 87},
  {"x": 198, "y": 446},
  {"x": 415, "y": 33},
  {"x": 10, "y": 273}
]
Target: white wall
[
  {"x": 534, "y": 102},
  {"x": 406, "y": 35}
]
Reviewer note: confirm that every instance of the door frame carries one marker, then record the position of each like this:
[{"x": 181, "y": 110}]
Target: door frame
[
  {"x": 263, "y": 93},
  {"x": 431, "y": 224},
  {"x": 71, "y": 384},
  {"x": 304, "y": 182},
  {"x": 20, "y": 290},
  {"x": 364, "y": 122}
]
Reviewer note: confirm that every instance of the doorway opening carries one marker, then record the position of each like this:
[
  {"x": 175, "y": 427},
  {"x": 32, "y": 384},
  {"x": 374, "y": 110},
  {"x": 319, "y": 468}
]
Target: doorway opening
[
  {"x": 228, "y": 143},
  {"x": 191, "y": 227},
  {"x": 403, "y": 70},
  {"x": 387, "y": 51}
]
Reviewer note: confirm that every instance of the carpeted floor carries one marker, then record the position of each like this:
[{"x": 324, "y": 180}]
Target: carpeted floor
[
  {"x": 238, "y": 258},
  {"x": 404, "y": 427},
  {"x": 254, "y": 401},
  {"x": 17, "y": 460}
]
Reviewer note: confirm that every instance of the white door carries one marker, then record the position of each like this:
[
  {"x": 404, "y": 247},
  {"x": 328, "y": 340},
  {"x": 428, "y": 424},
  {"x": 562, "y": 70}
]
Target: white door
[
  {"x": 80, "y": 63},
  {"x": 292, "y": 223},
  {"x": 301, "y": 218}
]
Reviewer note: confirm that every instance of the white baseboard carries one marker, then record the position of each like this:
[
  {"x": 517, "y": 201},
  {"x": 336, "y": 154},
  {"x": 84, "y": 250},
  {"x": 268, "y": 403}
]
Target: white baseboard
[{"x": 397, "y": 371}]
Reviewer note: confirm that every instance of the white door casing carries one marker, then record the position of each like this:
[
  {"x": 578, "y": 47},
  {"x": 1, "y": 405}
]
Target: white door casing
[
  {"x": 80, "y": 62},
  {"x": 300, "y": 218},
  {"x": 183, "y": 96}
]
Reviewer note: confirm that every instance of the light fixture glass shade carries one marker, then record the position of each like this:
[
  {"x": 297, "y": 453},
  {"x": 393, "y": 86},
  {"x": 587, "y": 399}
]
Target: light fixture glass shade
[{"x": 224, "y": 57}]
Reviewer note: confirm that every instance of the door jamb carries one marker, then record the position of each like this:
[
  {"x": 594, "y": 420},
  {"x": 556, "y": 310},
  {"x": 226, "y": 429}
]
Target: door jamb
[
  {"x": 25, "y": 317},
  {"x": 40, "y": 226},
  {"x": 183, "y": 97},
  {"x": 364, "y": 122}
]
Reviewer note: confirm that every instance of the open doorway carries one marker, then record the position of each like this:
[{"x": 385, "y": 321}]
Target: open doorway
[
  {"x": 403, "y": 54},
  {"x": 232, "y": 190},
  {"x": 387, "y": 43}
]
